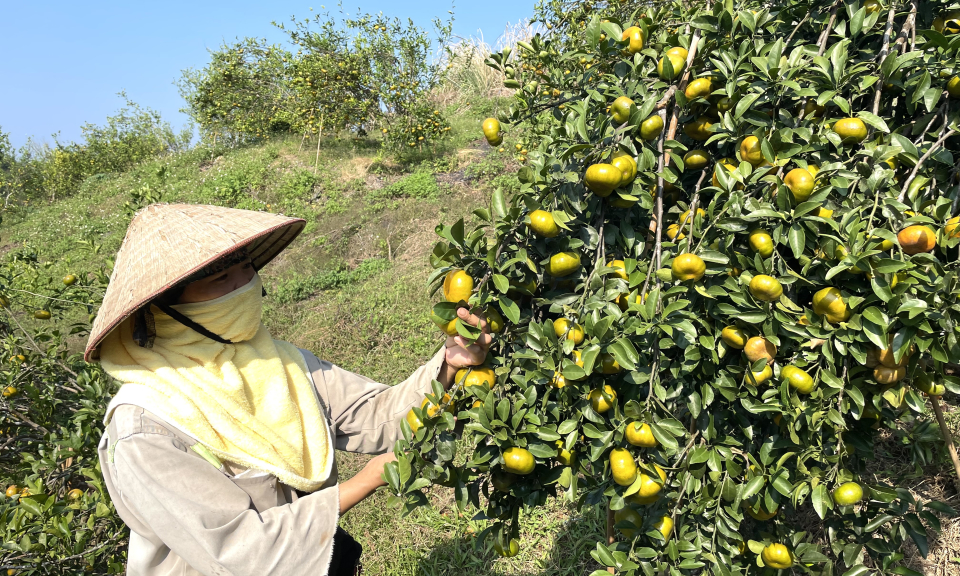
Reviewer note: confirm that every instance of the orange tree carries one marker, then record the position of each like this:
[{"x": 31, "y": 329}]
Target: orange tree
[
  {"x": 55, "y": 513},
  {"x": 730, "y": 270},
  {"x": 363, "y": 74}
]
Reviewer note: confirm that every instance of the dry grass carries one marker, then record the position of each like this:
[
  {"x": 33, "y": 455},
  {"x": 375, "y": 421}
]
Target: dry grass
[{"x": 468, "y": 78}]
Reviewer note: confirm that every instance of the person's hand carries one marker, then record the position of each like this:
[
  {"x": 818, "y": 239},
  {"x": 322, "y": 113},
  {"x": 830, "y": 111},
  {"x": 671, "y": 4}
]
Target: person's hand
[
  {"x": 364, "y": 483},
  {"x": 374, "y": 469},
  {"x": 460, "y": 352}
]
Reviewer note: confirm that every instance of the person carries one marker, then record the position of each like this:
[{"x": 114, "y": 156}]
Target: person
[{"x": 218, "y": 448}]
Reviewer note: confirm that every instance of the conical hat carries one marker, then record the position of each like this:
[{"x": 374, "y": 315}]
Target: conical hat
[{"x": 166, "y": 243}]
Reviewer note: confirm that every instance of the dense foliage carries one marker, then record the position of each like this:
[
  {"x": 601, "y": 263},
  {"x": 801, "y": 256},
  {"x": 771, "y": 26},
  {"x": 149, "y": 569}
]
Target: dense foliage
[
  {"x": 132, "y": 135},
  {"x": 364, "y": 74},
  {"x": 56, "y": 516},
  {"x": 731, "y": 268}
]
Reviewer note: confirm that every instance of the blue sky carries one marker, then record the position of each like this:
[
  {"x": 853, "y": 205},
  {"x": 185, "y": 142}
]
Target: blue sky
[{"x": 64, "y": 62}]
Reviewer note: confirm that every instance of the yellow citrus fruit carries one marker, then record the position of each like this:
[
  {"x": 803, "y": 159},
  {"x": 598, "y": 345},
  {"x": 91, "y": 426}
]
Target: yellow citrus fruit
[
  {"x": 750, "y": 150},
  {"x": 457, "y": 286},
  {"x": 620, "y": 109},
  {"x": 518, "y": 460},
  {"x": 622, "y": 466},
  {"x": 75, "y": 494},
  {"x": 679, "y": 52},
  {"x": 696, "y": 159},
  {"x": 698, "y": 129},
  {"x": 765, "y": 288},
  {"x": 734, "y": 337},
  {"x": 665, "y": 527},
  {"x": 494, "y": 320},
  {"x": 512, "y": 549},
  {"x": 848, "y": 494},
  {"x": 948, "y": 22},
  {"x": 564, "y": 456},
  {"x": 626, "y": 165},
  {"x": 798, "y": 379},
  {"x": 42, "y": 314},
  {"x": 761, "y": 242},
  {"x": 953, "y": 87},
  {"x": 491, "y": 131},
  {"x": 562, "y": 326},
  {"x": 917, "y": 239},
  {"x": 828, "y": 302},
  {"x": 686, "y": 217},
  {"x": 432, "y": 410},
  {"x": 699, "y": 88},
  {"x": 602, "y": 179},
  {"x": 449, "y": 328},
  {"x": 725, "y": 104},
  {"x": 9, "y": 391},
  {"x": 640, "y": 434},
  {"x": 602, "y": 400},
  {"x": 563, "y": 264},
  {"x": 478, "y": 376},
  {"x": 543, "y": 224},
  {"x": 823, "y": 213},
  {"x": 777, "y": 556},
  {"x": 871, "y": 6},
  {"x": 800, "y": 183},
  {"x": 812, "y": 110},
  {"x": 633, "y": 35},
  {"x": 12, "y": 490},
  {"x": 609, "y": 364},
  {"x": 649, "y": 488},
  {"x": 674, "y": 233},
  {"x": 889, "y": 375},
  {"x": 558, "y": 380},
  {"x": 850, "y": 130},
  {"x": 759, "y": 512},
  {"x": 414, "y": 422},
  {"x": 688, "y": 266},
  {"x": 726, "y": 163},
  {"x": 924, "y": 383},
  {"x": 759, "y": 377},
  {"x": 620, "y": 267},
  {"x": 651, "y": 127},
  {"x": 952, "y": 228},
  {"x": 759, "y": 347},
  {"x": 676, "y": 62},
  {"x": 69, "y": 280},
  {"x": 630, "y": 516},
  {"x": 618, "y": 202}
]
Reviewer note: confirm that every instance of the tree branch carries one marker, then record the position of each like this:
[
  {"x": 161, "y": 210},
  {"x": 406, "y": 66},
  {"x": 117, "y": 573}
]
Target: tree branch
[
  {"x": 883, "y": 54},
  {"x": 927, "y": 154}
]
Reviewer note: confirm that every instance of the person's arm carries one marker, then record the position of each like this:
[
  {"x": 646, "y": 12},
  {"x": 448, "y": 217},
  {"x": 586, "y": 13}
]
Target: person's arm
[
  {"x": 367, "y": 414},
  {"x": 209, "y": 521},
  {"x": 364, "y": 483}
]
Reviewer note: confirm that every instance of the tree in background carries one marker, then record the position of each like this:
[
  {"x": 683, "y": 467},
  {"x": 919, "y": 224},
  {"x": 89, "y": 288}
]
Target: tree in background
[{"x": 358, "y": 75}]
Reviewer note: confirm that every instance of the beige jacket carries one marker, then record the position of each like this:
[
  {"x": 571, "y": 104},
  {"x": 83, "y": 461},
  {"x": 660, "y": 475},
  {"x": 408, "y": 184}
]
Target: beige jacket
[{"x": 188, "y": 517}]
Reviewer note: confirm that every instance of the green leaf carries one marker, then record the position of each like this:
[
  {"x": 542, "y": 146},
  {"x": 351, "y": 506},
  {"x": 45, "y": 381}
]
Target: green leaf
[
  {"x": 501, "y": 282},
  {"x": 874, "y": 120},
  {"x": 499, "y": 204},
  {"x": 753, "y": 487},
  {"x": 625, "y": 353},
  {"x": 510, "y": 309},
  {"x": 821, "y": 500}
]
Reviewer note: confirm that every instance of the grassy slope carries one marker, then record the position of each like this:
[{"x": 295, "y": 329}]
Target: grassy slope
[{"x": 352, "y": 289}]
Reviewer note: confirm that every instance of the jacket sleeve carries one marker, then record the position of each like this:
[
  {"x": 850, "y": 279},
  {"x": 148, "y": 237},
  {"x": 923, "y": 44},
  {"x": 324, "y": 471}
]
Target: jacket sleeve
[
  {"x": 367, "y": 414},
  {"x": 207, "y": 520}
]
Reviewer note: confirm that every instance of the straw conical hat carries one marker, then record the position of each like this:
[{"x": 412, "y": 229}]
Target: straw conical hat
[{"x": 166, "y": 243}]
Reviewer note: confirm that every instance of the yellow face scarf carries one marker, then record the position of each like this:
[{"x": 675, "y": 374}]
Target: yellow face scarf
[{"x": 250, "y": 402}]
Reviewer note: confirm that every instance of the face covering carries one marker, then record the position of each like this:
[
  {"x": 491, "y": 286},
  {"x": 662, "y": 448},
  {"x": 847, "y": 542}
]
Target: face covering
[{"x": 249, "y": 402}]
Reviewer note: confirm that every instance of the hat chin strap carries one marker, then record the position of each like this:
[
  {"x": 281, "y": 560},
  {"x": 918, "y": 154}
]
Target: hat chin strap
[{"x": 181, "y": 318}]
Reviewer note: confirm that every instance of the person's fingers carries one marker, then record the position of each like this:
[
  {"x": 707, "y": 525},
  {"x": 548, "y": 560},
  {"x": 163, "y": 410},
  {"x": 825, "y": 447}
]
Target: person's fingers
[{"x": 472, "y": 319}]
